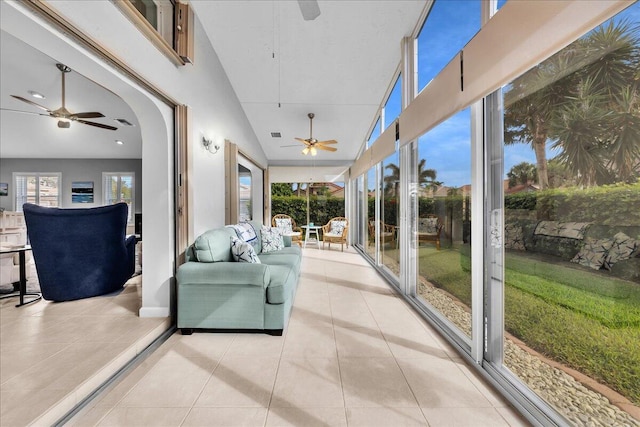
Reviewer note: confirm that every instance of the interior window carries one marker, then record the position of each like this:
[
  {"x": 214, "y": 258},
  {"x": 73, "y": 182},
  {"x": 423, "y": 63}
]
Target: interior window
[
  {"x": 119, "y": 187},
  {"x": 38, "y": 188},
  {"x": 160, "y": 14}
]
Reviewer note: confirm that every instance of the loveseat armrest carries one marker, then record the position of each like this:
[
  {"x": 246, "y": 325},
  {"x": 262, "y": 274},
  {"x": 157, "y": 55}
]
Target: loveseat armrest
[{"x": 224, "y": 273}]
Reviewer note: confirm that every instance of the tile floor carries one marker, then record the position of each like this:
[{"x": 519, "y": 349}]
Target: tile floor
[
  {"x": 354, "y": 355},
  {"x": 52, "y": 355}
]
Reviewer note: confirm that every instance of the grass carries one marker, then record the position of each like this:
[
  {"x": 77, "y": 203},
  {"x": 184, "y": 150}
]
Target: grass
[{"x": 585, "y": 320}]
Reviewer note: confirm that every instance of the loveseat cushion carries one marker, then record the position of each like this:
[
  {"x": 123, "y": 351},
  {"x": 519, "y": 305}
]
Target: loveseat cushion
[
  {"x": 223, "y": 273},
  {"x": 214, "y": 245},
  {"x": 281, "y": 286}
]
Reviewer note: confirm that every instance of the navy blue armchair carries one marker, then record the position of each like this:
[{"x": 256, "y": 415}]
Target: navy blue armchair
[{"x": 80, "y": 253}]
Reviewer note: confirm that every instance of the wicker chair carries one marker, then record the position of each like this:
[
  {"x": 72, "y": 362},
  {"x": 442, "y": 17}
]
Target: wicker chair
[
  {"x": 288, "y": 227},
  {"x": 336, "y": 231},
  {"x": 429, "y": 229},
  {"x": 387, "y": 233}
]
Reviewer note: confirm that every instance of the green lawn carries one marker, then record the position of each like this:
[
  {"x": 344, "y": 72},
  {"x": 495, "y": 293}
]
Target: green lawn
[{"x": 585, "y": 320}]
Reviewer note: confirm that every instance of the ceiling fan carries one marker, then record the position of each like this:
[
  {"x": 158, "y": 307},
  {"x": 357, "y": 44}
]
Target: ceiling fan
[
  {"x": 312, "y": 144},
  {"x": 64, "y": 116}
]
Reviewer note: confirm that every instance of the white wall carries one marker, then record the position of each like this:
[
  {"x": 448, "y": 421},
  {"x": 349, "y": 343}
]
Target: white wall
[{"x": 204, "y": 87}]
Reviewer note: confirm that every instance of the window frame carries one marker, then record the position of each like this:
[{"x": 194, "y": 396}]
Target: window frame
[
  {"x": 16, "y": 175},
  {"x": 119, "y": 175}
]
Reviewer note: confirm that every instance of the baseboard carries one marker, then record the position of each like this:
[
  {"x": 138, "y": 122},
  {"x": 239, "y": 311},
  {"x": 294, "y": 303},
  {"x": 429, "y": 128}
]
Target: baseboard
[{"x": 154, "y": 312}]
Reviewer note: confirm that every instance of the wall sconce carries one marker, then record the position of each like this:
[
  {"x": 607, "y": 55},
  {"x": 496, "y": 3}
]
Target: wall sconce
[{"x": 209, "y": 145}]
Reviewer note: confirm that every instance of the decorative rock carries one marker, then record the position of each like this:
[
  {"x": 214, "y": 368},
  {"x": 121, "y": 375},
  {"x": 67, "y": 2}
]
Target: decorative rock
[{"x": 581, "y": 406}]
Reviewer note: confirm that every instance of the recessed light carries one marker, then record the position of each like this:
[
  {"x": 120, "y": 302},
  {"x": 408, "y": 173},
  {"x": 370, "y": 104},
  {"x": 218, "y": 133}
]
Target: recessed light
[
  {"x": 36, "y": 94},
  {"x": 119, "y": 142}
]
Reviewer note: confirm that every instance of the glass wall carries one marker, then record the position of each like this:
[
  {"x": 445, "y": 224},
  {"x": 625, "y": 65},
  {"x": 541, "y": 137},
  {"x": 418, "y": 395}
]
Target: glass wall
[
  {"x": 448, "y": 28},
  {"x": 572, "y": 221},
  {"x": 390, "y": 214},
  {"x": 393, "y": 106},
  {"x": 375, "y": 133},
  {"x": 370, "y": 212},
  {"x": 443, "y": 236}
]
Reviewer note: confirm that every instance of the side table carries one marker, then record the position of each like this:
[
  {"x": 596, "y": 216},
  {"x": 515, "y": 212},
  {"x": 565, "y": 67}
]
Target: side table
[
  {"x": 21, "y": 250},
  {"x": 309, "y": 231}
]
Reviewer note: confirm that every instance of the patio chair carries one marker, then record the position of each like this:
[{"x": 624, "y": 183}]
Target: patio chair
[
  {"x": 429, "y": 229},
  {"x": 287, "y": 227},
  {"x": 387, "y": 233},
  {"x": 80, "y": 253},
  {"x": 336, "y": 231}
]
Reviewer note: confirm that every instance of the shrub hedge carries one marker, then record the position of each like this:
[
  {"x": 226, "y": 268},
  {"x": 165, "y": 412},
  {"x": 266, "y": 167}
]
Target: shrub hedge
[
  {"x": 617, "y": 204},
  {"x": 321, "y": 209}
]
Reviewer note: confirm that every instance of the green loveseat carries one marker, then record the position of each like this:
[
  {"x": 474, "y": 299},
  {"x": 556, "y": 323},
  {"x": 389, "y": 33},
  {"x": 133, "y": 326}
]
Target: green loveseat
[{"x": 214, "y": 292}]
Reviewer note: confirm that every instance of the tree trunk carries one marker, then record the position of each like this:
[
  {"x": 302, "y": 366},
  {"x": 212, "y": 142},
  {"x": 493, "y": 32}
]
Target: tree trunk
[{"x": 539, "y": 147}]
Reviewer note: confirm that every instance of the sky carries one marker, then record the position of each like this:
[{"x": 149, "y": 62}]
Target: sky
[{"x": 446, "y": 148}]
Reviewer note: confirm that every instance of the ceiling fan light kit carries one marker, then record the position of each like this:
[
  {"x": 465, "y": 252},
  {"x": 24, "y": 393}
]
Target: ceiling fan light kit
[{"x": 64, "y": 116}]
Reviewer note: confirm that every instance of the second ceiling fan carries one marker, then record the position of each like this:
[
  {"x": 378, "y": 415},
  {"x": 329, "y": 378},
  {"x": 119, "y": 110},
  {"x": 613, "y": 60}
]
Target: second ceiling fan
[
  {"x": 312, "y": 144},
  {"x": 64, "y": 116}
]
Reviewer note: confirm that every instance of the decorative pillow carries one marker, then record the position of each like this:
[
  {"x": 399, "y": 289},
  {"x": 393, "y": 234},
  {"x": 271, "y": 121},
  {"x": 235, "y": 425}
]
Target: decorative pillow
[
  {"x": 243, "y": 251},
  {"x": 622, "y": 248},
  {"x": 246, "y": 232},
  {"x": 337, "y": 227},
  {"x": 571, "y": 230},
  {"x": 514, "y": 238},
  {"x": 271, "y": 239},
  {"x": 593, "y": 253},
  {"x": 284, "y": 225}
]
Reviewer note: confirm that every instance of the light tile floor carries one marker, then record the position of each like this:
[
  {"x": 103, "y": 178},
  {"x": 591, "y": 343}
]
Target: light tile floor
[
  {"x": 354, "y": 355},
  {"x": 52, "y": 355}
]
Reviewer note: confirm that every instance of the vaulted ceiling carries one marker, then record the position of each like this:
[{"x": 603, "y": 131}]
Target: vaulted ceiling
[
  {"x": 23, "y": 135},
  {"x": 281, "y": 67}
]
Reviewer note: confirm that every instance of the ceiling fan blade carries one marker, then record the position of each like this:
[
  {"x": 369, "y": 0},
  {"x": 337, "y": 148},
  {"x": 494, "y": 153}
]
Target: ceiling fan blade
[
  {"x": 309, "y": 9},
  {"x": 87, "y": 115},
  {"x": 331, "y": 141},
  {"x": 294, "y": 145},
  {"x": 98, "y": 125},
  {"x": 25, "y": 112},
  {"x": 31, "y": 102},
  {"x": 322, "y": 147}
]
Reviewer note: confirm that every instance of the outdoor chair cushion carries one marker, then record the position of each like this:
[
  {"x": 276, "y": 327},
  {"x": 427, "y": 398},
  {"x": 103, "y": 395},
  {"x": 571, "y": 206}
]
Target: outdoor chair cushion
[
  {"x": 337, "y": 227},
  {"x": 284, "y": 224},
  {"x": 593, "y": 253}
]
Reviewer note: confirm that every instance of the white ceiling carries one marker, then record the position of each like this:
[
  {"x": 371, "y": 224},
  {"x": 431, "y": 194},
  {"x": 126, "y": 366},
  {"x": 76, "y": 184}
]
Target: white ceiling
[
  {"x": 23, "y": 68},
  {"x": 337, "y": 66}
]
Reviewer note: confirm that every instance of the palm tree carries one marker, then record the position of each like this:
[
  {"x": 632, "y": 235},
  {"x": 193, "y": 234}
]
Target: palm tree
[
  {"x": 426, "y": 177},
  {"x": 522, "y": 173},
  {"x": 585, "y": 100}
]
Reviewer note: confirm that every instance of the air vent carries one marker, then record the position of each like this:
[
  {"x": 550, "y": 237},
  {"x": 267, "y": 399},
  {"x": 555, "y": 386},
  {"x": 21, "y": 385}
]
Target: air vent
[
  {"x": 124, "y": 122},
  {"x": 276, "y": 135}
]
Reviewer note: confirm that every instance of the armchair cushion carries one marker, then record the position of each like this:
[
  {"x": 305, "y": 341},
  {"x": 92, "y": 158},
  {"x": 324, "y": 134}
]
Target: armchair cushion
[{"x": 428, "y": 225}]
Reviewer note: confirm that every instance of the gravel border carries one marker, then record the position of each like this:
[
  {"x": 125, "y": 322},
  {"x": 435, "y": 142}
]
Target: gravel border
[{"x": 580, "y": 405}]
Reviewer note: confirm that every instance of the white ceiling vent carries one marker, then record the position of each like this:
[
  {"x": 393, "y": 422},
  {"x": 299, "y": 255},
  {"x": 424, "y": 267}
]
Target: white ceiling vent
[
  {"x": 124, "y": 122},
  {"x": 276, "y": 135}
]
